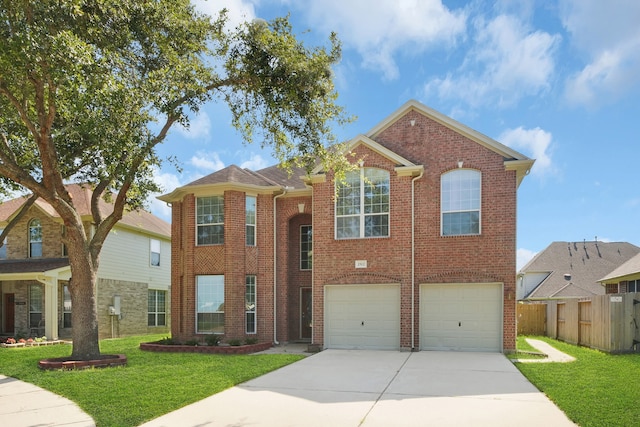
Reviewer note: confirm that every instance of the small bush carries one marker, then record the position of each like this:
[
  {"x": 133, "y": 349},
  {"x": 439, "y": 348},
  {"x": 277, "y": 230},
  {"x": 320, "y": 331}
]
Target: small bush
[
  {"x": 235, "y": 342},
  {"x": 250, "y": 341},
  {"x": 167, "y": 341},
  {"x": 213, "y": 340},
  {"x": 191, "y": 342}
]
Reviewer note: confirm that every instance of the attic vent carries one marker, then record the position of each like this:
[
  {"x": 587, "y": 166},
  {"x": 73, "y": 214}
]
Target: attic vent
[{"x": 567, "y": 277}]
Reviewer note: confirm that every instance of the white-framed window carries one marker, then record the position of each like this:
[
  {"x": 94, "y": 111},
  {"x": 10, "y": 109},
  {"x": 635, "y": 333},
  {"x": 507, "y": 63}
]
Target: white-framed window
[
  {"x": 3, "y": 248},
  {"x": 250, "y": 213},
  {"x": 633, "y": 286},
  {"x": 157, "y": 308},
  {"x": 250, "y": 304},
  {"x": 460, "y": 198},
  {"x": 210, "y": 304},
  {"x": 210, "y": 220},
  {"x": 36, "y": 304},
  {"x": 362, "y": 204},
  {"x": 66, "y": 307},
  {"x": 154, "y": 250},
  {"x": 306, "y": 247},
  {"x": 35, "y": 238}
]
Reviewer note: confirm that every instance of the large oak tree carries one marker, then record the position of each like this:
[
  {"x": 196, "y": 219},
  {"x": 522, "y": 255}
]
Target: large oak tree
[{"x": 88, "y": 89}]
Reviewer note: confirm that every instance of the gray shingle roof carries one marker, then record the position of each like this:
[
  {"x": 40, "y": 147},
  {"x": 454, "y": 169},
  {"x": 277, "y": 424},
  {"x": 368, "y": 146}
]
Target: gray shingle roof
[
  {"x": 584, "y": 263},
  {"x": 628, "y": 268}
]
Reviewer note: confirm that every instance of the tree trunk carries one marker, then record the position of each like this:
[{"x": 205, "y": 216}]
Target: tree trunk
[{"x": 84, "y": 307}]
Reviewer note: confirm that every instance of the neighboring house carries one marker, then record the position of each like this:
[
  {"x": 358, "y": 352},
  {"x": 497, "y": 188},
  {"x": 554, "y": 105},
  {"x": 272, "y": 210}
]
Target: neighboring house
[
  {"x": 133, "y": 277},
  {"x": 623, "y": 279},
  {"x": 416, "y": 250},
  {"x": 571, "y": 269}
]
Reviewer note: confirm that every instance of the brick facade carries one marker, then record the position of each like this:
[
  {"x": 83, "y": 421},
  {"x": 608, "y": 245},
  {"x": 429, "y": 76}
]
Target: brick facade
[{"x": 419, "y": 137}]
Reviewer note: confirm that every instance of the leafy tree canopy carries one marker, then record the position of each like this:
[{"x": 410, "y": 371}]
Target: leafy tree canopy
[{"x": 89, "y": 88}]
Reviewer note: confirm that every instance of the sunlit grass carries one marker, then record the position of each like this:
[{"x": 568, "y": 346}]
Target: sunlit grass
[{"x": 152, "y": 384}]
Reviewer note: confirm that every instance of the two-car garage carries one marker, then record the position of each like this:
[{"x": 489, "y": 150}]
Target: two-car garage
[{"x": 460, "y": 317}]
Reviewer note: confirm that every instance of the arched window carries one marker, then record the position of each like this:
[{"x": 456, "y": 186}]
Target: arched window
[
  {"x": 460, "y": 202},
  {"x": 362, "y": 205},
  {"x": 35, "y": 238}
]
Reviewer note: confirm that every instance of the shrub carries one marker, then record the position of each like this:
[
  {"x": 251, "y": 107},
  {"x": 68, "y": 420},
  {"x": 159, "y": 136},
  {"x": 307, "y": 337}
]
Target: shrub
[
  {"x": 235, "y": 342},
  {"x": 250, "y": 341},
  {"x": 191, "y": 342},
  {"x": 166, "y": 341},
  {"x": 213, "y": 340}
]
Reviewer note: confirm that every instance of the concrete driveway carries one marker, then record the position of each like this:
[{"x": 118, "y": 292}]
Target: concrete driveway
[{"x": 379, "y": 388}]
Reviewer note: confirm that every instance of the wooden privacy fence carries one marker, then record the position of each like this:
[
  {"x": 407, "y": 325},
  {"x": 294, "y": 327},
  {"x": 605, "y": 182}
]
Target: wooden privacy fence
[
  {"x": 532, "y": 319},
  {"x": 609, "y": 322}
]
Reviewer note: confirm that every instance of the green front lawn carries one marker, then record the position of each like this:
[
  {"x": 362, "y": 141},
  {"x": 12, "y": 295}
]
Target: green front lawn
[
  {"x": 152, "y": 384},
  {"x": 597, "y": 390}
]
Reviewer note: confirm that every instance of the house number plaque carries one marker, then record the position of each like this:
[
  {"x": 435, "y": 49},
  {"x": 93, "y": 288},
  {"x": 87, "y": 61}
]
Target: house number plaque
[{"x": 361, "y": 263}]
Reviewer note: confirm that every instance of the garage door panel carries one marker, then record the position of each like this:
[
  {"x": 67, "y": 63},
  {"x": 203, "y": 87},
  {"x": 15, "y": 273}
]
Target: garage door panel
[
  {"x": 464, "y": 317},
  {"x": 362, "y": 317}
]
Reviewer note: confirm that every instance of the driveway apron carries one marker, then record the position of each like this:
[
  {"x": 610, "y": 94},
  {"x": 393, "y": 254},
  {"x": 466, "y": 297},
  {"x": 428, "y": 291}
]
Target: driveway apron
[{"x": 354, "y": 388}]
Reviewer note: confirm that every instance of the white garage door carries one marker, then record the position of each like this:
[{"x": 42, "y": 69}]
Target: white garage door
[
  {"x": 362, "y": 317},
  {"x": 461, "y": 317}
]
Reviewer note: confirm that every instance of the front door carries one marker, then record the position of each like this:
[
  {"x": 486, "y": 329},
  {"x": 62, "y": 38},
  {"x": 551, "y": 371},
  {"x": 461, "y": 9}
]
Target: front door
[
  {"x": 9, "y": 312},
  {"x": 305, "y": 313}
]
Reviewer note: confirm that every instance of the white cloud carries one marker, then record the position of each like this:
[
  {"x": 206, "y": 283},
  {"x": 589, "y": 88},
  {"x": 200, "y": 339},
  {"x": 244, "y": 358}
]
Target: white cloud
[
  {"x": 209, "y": 162},
  {"x": 609, "y": 34},
  {"x": 523, "y": 256},
  {"x": 534, "y": 143},
  {"x": 379, "y": 31},
  {"x": 168, "y": 182},
  {"x": 254, "y": 163},
  {"x": 199, "y": 127},
  {"x": 238, "y": 11},
  {"x": 507, "y": 62}
]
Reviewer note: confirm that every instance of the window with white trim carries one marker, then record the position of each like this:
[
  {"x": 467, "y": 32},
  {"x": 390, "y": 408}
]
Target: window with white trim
[
  {"x": 460, "y": 202},
  {"x": 36, "y": 304},
  {"x": 210, "y": 220},
  {"x": 3, "y": 248},
  {"x": 250, "y": 304},
  {"x": 210, "y": 304},
  {"x": 154, "y": 250},
  {"x": 35, "y": 238},
  {"x": 157, "y": 308},
  {"x": 250, "y": 214},
  {"x": 362, "y": 204},
  {"x": 306, "y": 247}
]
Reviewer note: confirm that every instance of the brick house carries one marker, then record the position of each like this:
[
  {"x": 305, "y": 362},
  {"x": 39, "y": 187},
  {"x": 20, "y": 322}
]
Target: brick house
[
  {"x": 133, "y": 277},
  {"x": 416, "y": 251}
]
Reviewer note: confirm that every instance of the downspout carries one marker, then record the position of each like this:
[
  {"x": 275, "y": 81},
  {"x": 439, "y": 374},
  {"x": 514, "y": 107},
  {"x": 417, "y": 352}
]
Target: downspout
[
  {"x": 275, "y": 267},
  {"x": 413, "y": 256}
]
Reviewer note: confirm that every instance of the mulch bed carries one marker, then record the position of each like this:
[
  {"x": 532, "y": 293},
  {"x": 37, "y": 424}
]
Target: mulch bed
[
  {"x": 66, "y": 363},
  {"x": 211, "y": 349}
]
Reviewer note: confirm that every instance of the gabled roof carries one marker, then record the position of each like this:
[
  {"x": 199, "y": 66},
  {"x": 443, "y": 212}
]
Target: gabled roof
[
  {"x": 575, "y": 268},
  {"x": 625, "y": 271},
  {"x": 513, "y": 160},
  {"x": 81, "y": 195},
  {"x": 229, "y": 177}
]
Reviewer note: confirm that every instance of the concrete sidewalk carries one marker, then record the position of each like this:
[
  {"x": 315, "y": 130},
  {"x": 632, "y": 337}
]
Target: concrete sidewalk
[
  {"x": 354, "y": 388},
  {"x": 26, "y": 405}
]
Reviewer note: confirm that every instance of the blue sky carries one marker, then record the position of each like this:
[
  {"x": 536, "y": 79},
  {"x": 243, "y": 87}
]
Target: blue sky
[{"x": 558, "y": 81}]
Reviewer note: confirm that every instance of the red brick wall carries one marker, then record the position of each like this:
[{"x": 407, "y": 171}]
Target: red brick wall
[{"x": 488, "y": 257}]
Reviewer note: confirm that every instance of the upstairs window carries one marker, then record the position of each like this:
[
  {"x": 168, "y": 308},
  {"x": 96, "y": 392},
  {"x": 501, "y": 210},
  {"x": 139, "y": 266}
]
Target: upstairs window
[
  {"x": 250, "y": 213},
  {"x": 154, "y": 249},
  {"x": 306, "y": 246},
  {"x": 3, "y": 248},
  {"x": 35, "y": 238},
  {"x": 362, "y": 205},
  {"x": 460, "y": 202},
  {"x": 210, "y": 220}
]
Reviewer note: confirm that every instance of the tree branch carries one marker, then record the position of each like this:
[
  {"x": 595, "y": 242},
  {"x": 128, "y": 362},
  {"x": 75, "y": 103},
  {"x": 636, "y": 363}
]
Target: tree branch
[{"x": 21, "y": 213}]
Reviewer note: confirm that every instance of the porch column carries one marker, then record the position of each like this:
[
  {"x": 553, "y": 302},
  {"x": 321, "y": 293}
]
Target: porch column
[{"x": 50, "y": 307}]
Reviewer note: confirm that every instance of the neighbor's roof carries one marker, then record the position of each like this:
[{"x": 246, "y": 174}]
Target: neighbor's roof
[
  {"x": 585, "y": 263},
  {"x": 629, "y": 268},
  {"x": 32, "y": 265},
  {"x": 81, "y": 196}
]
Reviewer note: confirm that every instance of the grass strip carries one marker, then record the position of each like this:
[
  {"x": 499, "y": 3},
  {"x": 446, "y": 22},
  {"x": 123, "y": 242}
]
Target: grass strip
[
  {"x": 596, "y": 390},
  {"x": 152, "y": 384}
]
